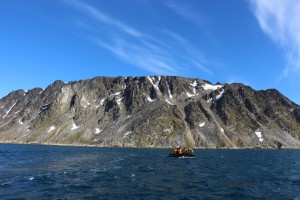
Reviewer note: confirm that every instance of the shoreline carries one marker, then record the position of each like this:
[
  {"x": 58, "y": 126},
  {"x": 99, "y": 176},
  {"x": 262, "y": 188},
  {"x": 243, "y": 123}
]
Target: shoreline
[{"x": 167, "y": 147}]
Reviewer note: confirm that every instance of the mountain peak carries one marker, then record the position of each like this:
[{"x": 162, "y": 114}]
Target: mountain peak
[{"x": 150, "y": 111}]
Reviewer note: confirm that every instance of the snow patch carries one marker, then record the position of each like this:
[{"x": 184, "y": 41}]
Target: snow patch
[
  {"x": 150, "y": 80},
  {"x": 149, "y": 99},
  {"x": 126, "y": 134},
  {"x": 155, "y": 85},
  {"x": 207, "y": 86},
  {"x": 190, "y": 95},
  {"x": 168, "y": 102},
  {"x": 222, "y": 130},
  {"x": 2, "y": 107},
  {"x": 169, "y": 130},
  {"x": 44, "y": 108},
  {"x": 119, "y": 102},
  {"x": 118, "y": 93},
  {"x": 9, "y": 110},
  {"x": 202, "y": 124},
  {"x": 20, "y": 122},
  {"x": 98, "y": 130},
  {"x": 194, "y": 84},
  {"x": 74, "y": 127},
  {"x": 169, "y": 92},
  {"x": 258, "y": 134},
  {"x": 219, "y": 95},
  {"x": 209, "y": 100},
  {"x": 51, "y": 128},
  {"x": 102, "y": 101}
]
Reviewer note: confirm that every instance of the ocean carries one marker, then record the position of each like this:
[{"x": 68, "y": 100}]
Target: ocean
[{"x": 60, "y": 172}]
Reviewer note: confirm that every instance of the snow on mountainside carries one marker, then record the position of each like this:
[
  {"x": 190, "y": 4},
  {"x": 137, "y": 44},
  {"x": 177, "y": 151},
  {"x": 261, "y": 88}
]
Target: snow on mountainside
[{"x": 152, "y": 111}]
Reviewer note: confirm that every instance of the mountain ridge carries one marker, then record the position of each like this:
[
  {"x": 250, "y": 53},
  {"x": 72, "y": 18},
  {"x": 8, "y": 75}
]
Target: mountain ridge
[{"x": 150, "y": 111}]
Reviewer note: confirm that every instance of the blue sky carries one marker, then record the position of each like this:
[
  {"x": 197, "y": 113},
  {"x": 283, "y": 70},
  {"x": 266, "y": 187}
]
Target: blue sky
[{"x": 256, "y": 42}]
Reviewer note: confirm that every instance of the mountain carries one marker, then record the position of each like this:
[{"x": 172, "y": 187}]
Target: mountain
[{"x": 159, "y": 111}]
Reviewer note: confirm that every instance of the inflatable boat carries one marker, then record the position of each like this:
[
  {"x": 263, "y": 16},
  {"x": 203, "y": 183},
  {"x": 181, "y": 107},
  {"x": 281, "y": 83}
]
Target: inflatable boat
[
  {"x": 182, "y": 155},
  {"x": 178, "y": 152}
]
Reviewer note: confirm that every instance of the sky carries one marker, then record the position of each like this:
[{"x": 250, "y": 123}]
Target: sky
[{"x": 255, "y": 42}]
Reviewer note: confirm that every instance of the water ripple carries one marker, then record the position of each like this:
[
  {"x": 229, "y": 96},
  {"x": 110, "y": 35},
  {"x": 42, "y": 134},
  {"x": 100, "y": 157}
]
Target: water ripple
[{"x": 47, "y": 172}]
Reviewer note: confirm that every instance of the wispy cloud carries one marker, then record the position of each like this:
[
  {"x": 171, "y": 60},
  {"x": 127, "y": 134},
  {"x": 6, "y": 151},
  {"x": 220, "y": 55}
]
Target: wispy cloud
[
  {"x": 185, "y": 11},
  {"x": 95, "y": 14},
  {"x": 164, "y": 52},
  {"x": 188, "y": 49},
  {"x": 279, "y": 19}
]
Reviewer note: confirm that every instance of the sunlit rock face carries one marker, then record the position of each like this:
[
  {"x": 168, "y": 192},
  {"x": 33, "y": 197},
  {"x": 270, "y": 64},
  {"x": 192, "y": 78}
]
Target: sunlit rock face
[{"x": 151, "y": 111}]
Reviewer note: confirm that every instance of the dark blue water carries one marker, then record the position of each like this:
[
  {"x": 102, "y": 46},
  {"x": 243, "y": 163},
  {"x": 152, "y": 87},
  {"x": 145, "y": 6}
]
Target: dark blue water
[{"x": 54, "y": 172}]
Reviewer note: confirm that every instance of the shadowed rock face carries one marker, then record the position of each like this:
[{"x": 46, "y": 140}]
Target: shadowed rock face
[{"x": 158, "y": 111}]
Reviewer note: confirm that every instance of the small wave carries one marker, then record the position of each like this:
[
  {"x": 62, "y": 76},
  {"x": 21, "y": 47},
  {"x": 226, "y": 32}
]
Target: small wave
[
  {"x": 117, "y": 160},
  {"x": 132, "y": 177},
  {"x": 104, "y": 169},
  {"x": 5, "y": 183},
  {"x": 117, "y": 167},
  {"x": 94, "y": 170},
  {"x": 295, "y": 178}
]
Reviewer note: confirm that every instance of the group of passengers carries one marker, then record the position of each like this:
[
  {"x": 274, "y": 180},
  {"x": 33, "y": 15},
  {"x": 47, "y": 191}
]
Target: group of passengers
[{"x": 180, "y": 151}]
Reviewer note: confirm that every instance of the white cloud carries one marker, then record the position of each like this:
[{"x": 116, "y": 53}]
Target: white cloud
[
  {"x": 185, "y": 11},
  {"x": 165, "y": 53},
  {"x": 140, "y": 56},
  {"x": 94, "y": 13},
  {"x": 101, "y": 17},
  {"x": 188, "y": 49},
  {"x": 279, "y": 20}
]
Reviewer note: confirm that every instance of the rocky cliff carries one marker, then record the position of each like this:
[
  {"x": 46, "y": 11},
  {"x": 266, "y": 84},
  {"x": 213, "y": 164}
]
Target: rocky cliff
[{"x": 158, "y": 111}]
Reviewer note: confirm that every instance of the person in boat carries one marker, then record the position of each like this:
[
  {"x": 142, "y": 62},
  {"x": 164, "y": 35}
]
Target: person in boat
[
  {"x": 180, "y": 150},
  {"x": 175, "y": 151},
  {"x": 187, "y": 151}
]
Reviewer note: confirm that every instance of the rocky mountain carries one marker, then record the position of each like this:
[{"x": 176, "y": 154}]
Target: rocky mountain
[{"x": 160, "y": 111}]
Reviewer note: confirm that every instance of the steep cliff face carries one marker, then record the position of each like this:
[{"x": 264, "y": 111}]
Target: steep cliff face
[{"x": 150, "y": 112}]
